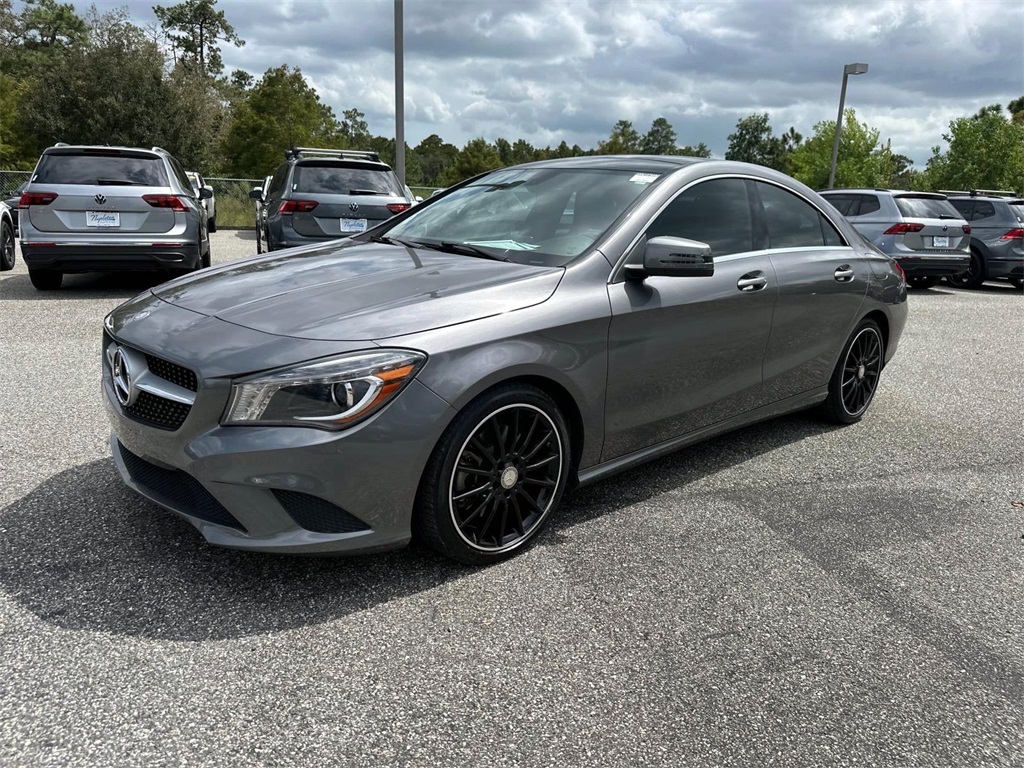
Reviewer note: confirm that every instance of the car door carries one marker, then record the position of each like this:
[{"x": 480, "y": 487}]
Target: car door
[
  {"x": 822, "y": 282},
  {"x": 686, "y": 352}
]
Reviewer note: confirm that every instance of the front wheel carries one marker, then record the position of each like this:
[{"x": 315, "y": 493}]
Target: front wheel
[
  {"x": 922, "y": 282},
  {"x": 855, "y": 379},
  {"x": 6, "y": 247},
  {"x": 46, "y": 279},
  {"x": 1017, "y": 283},
  {"x": 212, "y": 224},
  {"x": 495, "y": 476}
]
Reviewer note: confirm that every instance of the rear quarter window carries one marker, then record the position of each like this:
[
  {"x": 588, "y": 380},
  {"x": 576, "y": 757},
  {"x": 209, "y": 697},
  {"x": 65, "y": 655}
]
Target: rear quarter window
[
  {"x": 100, "y": 169},
  {"x": 983, "y": 209},
  {"x": 1018, "y": 211}
]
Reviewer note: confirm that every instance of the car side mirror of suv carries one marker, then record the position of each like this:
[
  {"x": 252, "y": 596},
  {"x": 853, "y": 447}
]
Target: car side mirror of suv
[
  {"x": 256, "y": 193},
  {"x": 205, "y": 193},
  {"x": 673, "y": 257}
]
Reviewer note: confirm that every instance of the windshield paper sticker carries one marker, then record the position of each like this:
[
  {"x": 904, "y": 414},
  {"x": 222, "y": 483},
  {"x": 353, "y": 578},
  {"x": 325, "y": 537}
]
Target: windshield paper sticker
[{"x": 643, "y": 178}]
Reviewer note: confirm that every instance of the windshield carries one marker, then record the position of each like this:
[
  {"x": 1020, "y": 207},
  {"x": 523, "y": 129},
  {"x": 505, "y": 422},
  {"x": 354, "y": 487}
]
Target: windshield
[
  {"x": 96, "y": 168},
  {"x": 544, "y": 216},
  {"x": 334, "y": 179}
]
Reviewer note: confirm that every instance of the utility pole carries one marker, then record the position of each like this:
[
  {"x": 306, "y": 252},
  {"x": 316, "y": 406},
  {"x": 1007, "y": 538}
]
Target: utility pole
[{"x": 399, "y": 93}]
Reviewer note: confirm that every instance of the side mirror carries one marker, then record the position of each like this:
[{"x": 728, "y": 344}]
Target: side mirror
[
  {"x": 419, "y": 199},
  {"x": 256, "y": 193},
  {"x": 205, "y": 193},
  {"x": 673, "y": 257}
]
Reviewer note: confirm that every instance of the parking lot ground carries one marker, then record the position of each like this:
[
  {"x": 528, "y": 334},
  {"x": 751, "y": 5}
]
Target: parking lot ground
[{"x": 794, "y": 594}]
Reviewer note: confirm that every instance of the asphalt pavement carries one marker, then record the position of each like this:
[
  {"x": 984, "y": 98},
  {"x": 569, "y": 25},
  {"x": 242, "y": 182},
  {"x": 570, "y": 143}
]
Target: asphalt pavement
[{"x": 793, "y": 594}]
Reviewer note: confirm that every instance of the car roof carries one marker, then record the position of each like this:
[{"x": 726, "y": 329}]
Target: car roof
[
  {"x": 71, "y": 149},
  {"x": 659, "y": 163}
]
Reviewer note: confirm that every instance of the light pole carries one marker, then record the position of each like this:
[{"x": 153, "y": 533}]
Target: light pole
[
  {"x": 400, "y": 93},
  {"x": 849, "y": 69}
]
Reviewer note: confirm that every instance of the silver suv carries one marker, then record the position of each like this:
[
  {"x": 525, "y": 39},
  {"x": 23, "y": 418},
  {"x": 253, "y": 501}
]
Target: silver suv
[
  {"x": 922, "y": 231},
  {"x": 323, "y": 194},
  {"x": 99, "y": 209},
  {"x": 997, "y": 238}
]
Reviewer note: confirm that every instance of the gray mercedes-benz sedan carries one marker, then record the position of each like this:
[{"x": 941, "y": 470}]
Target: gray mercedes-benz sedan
[{"x": 452, "y": 372}]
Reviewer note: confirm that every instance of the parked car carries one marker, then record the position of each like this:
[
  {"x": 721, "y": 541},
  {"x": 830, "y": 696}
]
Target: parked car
[
  {"x": 12, "y": 204},
  {"x": 209, "y": 203},
  {"x": 323, "y": 194},
  {"x": 6, "y": 238},
  {"x": 455, "y": 370},
  {"x": 260, "y": 210},
  {"x": 921, "y": 230},
  {"x": 997, "y": 239},
  {"x": 100, "y": 209}
]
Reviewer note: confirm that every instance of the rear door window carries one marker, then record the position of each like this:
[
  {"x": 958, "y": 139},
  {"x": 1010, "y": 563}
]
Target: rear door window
[
  {"x": 97, "y": 168},
  {"x": 792, "y": 221},
  {"x": 848, "y": 205},
  {"x": 869, "y": 204},
  {"x": 983, "y": 209},
  {"x": 925, "y": 207},
  {"x": 966, "y": 208},
  {"x": 334, "y": 179}
]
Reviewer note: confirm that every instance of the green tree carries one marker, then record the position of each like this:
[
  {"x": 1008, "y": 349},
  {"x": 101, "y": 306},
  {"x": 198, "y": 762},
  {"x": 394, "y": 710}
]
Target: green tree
[
  {"x": 435, "y": 157},
  {"x": 476, "y": 157},
  {"x": 753, "y": 141},
  {"x": 863, "y": 160},
  {"x": 49, "y": 24},
  {"x": 660, "y": 139},
  {"x": 522, "y": 152},
  {"x": 624, "y": 140},
  {"x": 986, "y": 151},
  {"x": 195, "y": 30},
  {"x": 282, "y": 110},
  {"x": 1016, "y": 109},
  {"x": 700, "y": 150},
  {"x": 355, "y": 132}
]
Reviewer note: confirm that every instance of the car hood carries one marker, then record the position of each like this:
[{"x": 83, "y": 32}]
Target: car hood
[{"x": 359, "y": 291}]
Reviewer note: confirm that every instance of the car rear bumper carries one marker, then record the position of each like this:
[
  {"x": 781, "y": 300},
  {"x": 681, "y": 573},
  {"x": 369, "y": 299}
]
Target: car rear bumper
[
  {"x": 933, "y": 265},
  {"x": 1009, "y": 267},
  {"x": 104, "y": 258}
]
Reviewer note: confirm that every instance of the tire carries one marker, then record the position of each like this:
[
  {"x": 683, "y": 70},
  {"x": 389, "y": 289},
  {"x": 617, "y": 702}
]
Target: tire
[
  {"x": 259, "y": 241},
  {"x": 6, "y": 246},
  {"x": 1017, "y": 283},
  {"x": 974, "y": 276},
  {"x": 922, "y": 282},
  {"x": 205, "y": 262},
  {"x": 514, "y": 441},
  {"x": 46, "y": 279},
  {"x": 855, "y": 379},
  {"x": 212, "y": 225}
]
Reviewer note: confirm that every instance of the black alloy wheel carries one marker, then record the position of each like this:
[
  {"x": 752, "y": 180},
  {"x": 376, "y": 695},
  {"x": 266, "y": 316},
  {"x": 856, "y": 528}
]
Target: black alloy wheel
[
  {"x": 855, "y": 379},
  {"x": 973, "y": 277},
  {"x": 495, "y": 477},
  {"x": 922, "y": 282},
  {"x": 6, "y": 246}
]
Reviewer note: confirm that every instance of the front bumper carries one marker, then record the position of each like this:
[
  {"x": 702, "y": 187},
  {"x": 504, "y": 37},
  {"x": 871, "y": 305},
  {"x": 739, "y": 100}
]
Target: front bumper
[
  {"x": 109, "y": 258},
  {"x": 283, "y": 489}
]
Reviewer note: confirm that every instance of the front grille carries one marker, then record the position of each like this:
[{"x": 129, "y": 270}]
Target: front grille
[
  {"x": 157, "y": 411},
  {"x": 317, "y": 515},
  {"x": 173, "y": 373},
  {"x": 181, "y": 491}
]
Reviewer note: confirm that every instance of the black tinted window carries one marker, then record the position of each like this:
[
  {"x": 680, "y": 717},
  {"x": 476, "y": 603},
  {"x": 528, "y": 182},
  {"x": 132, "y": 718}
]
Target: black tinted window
[
  {"x": 713, "y": 212},
  {"x": 278, "y": 181},
  {"x": 983, "y": 209},
  {"x": 965, "y": 207},
  {"x": 792, "y": 221},
  {"x": 925, "y": 207},
  {"x": 100, "y": 169},
  {"x": 869, "y": 204},
  {"x": 848, "y": 205},
  {"x": 338, "y": 180}
]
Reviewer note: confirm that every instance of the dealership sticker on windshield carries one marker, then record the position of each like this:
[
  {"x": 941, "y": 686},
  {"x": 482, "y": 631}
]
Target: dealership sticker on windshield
[{"x": 643, "y": 178}]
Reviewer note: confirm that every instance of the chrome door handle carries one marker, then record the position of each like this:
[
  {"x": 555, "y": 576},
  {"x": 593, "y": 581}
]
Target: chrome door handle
[
  {"x": 844, "y": 274},
  {"x": 752, "y": 282}
]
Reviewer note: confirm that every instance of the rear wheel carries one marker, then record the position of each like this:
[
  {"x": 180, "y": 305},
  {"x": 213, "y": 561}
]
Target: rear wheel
[
  {"x": 495, "y": 476},
  {"x": 212, "y": 225},
  {"x": 922, "y": 282},
  {"x": 974, "y": 276},
  {"x": 6, "y": 246},
  {"x": 46, "y": 279},
  {"x": 855, "y": 379}
]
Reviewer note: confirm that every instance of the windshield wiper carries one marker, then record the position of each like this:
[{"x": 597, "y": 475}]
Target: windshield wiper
[
  {"x": 470, "y": 250},
  {"x": 393, "y": 241}
]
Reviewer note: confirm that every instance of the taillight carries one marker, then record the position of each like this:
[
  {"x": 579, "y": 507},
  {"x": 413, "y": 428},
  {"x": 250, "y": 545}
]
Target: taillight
[
  {"x": 967, "y": 229},
  {"x": 899, "y": 271},
  {"x": 900, "y": 229},
  {"x": 1013, "y": 234},
  {"x": 165, "y": 201},
  {"x": 36, "y": 198},
  {"x": 297, "y": 206},
  {"x": 398, "y": 207}
]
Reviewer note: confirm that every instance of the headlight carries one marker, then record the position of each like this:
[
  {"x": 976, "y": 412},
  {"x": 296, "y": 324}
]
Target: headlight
[{"x": 330, "y": 394}]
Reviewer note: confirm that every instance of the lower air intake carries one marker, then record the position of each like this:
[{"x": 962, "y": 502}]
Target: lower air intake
[{"x": 315, "y": 514}]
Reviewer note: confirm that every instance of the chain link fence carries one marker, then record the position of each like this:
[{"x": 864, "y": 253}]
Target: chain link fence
[{"x": 10, "y": 181}]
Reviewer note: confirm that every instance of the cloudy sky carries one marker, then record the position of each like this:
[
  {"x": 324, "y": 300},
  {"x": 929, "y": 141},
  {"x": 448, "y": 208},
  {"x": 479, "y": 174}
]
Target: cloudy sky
[{"x": 547, "y": 70}]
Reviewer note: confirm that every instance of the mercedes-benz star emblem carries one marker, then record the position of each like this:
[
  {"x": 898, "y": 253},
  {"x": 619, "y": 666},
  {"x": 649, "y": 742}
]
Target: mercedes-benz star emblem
[
  {"x": 121, "y": 377},
  {"x": 353, "y": 207},
  {"x": 101, "y": 199}
]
